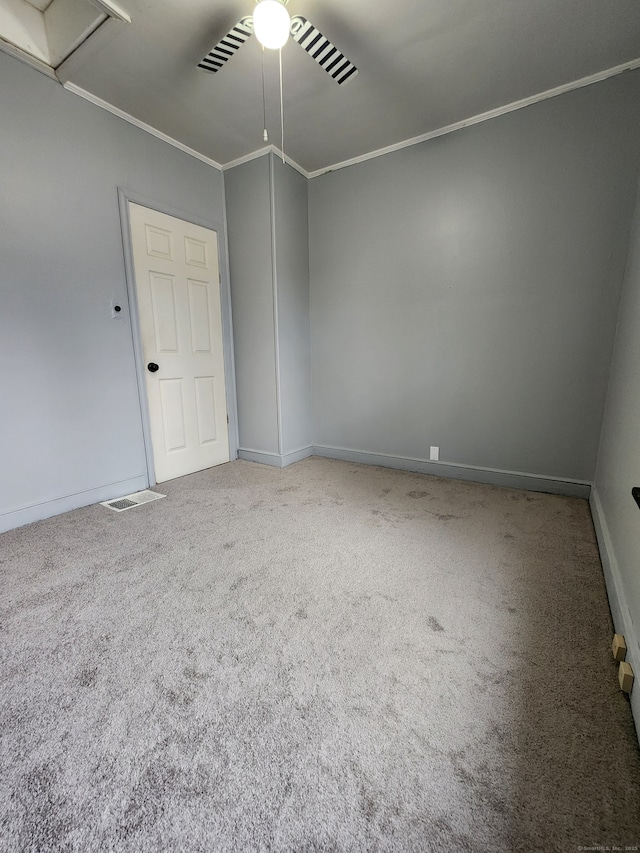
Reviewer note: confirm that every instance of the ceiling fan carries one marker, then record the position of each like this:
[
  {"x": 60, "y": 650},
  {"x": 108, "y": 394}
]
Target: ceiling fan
[{"x": 272, "y": 26}]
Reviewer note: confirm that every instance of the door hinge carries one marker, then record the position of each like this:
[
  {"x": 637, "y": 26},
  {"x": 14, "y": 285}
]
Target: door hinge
[{"x": 227, "y": 418}]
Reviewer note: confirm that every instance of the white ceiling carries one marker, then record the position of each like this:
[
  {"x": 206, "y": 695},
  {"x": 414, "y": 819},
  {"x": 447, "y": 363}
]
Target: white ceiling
[{"x": 423, "y": 65}]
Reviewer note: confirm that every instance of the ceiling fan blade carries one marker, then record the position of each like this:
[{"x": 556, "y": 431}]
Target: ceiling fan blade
[
  {"x": 227, "y": 46},
  {"x": 320, "y": 48}
]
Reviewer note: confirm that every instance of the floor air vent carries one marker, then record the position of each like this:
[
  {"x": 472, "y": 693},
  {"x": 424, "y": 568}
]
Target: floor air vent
[{"x": 129, "y": 501}]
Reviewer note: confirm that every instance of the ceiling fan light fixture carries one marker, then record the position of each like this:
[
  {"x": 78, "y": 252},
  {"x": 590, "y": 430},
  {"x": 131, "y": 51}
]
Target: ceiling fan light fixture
[{"x": 271, "y": 23}]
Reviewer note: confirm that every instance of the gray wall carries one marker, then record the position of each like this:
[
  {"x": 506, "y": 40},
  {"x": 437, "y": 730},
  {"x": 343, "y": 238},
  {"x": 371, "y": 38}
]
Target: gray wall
[
  {"x": 268, "y": 250},
  {"x": 292, "y": 275},
  {"x": 464, "y": 291},
  {"x": 248, "y": 201},
  {"x": 70, "y": 429},
  {"x": 615, "y": 512}
]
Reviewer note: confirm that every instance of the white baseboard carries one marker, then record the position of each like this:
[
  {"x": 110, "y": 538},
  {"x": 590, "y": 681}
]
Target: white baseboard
[
  {"x": 277, "y": 460},
  {"x": 36, "y": 512},
  {"x": 492, "y": 476},
  {"x": 622, "y": 620},
  {"x": 296, "y": 455}
]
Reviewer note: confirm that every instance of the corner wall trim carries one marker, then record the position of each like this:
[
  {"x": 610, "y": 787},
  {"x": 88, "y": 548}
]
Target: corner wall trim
[
  {"x": 491, "y": 476},
  {"x": 274, "y": 299},
  {"x": 104, "y": 105},
  {"x": 276, "y": 460},
  {"x": 39, "y": 511},
  {"x": 622, "y": 621}
]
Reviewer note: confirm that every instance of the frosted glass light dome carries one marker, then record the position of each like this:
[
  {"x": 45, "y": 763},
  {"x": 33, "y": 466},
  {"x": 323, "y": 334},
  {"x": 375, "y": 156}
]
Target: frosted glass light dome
[{"x": 271, "y": 24}]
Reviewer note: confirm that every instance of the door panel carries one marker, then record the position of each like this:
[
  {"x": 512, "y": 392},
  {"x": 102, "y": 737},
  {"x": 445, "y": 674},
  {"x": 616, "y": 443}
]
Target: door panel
[
  {"x": 163, "y": 305},
  {"x": 206, "y": 408},
  {"x": 159, "y": 243},
  {"x": 195, "y": 252},
  {"x": 178, "y": 289},
  {"x": 200, "y": 315},
  {"x": 172, "y": 410}
]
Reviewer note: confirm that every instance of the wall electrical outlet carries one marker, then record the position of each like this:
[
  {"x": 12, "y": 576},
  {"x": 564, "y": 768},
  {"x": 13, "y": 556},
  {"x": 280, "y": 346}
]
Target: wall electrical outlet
[{"x": 434, "y": 454}]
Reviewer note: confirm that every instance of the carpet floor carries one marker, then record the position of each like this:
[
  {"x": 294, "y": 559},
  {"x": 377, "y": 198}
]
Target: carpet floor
[{"x": 329, "y": 657}]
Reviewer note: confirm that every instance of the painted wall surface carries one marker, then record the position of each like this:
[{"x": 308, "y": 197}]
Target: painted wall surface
[
  {"x": 248, "y": 203},
  {"x": 292, "y": 282},
  {"x": 618, "y": 469},
  {"x": 266, "y": 203},
  {"x": 464, "y": 292},
  {"x": 70, "y": 424}
]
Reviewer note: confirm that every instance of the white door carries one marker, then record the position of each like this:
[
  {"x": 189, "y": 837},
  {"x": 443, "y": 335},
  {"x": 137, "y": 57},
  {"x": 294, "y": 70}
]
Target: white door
[{"x": 178, "y": 289}]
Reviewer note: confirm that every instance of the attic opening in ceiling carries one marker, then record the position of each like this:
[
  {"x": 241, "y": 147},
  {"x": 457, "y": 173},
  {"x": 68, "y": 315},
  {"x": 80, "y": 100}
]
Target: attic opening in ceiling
[{"x": 45, "y": 33}]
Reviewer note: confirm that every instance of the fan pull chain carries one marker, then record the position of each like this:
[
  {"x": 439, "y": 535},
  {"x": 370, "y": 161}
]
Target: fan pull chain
[
  {"x": 281, "y": 109},
  {"x": 264, "y": 103}
]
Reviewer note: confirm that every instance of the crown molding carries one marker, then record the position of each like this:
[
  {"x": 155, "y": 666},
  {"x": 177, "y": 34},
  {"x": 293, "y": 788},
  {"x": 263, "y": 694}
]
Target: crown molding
[
  {"x": 487, "y": 116},
  {"x": 247, "y": 158},
  {"x": 286, "y": 159},
  {"x": 260, "y": 153},
  {"x": 71, "y": 87},
  {"x": 380, "y": 152},
  {"x": 18, "y": 53}
]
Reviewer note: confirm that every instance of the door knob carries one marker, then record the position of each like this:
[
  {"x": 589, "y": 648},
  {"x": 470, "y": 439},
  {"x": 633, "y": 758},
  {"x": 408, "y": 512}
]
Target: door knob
[{"x": 152, "y": 367}]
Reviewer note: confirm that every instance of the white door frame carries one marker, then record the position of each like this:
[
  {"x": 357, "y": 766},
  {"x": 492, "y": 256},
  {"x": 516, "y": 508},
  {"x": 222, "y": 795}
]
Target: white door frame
[{"x": 134, "y": 315}]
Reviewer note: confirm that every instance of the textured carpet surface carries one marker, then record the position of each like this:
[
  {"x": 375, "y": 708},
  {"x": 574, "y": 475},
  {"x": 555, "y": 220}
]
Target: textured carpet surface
[{"x": 329, "y": 657}]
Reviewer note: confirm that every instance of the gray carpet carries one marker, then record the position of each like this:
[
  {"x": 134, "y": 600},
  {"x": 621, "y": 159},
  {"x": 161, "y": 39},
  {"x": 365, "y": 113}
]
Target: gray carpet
[{"x": 330, "y": 657}]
